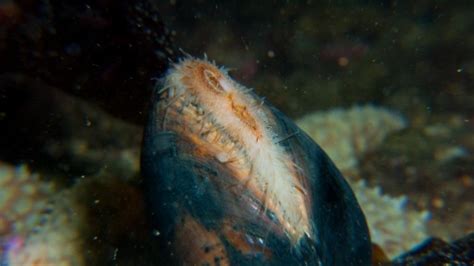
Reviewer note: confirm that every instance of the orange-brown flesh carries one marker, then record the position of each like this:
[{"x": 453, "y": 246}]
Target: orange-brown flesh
[
  {"x": 183, "y": 117},
  {"x": 205, "y": 246},
  {"x": 378, "y": 256}
]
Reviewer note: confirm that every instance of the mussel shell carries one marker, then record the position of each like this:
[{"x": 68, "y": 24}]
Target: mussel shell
[{"x": 202, "y": 220}]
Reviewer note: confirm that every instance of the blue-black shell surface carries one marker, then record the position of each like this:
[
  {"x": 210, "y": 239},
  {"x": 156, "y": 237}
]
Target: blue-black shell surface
[{"x": 180, "y": 188}]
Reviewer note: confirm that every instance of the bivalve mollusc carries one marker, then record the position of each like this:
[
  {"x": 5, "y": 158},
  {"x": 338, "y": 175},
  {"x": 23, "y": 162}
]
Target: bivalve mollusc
[{"x": 230, "y": 180}]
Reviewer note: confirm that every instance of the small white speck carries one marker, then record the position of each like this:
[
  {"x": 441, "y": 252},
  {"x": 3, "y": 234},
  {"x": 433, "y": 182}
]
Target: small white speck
[
  {"x": 222, "y": 157},
  {"x": 115, "y": 254}
]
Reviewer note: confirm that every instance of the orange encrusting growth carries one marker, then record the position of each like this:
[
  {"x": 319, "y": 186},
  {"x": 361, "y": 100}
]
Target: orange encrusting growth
[{"x": 228, "y": 124}]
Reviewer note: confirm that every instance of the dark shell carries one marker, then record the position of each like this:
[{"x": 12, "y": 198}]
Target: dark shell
[
  {"x": 204, "y": 217},
  {"x": 435, "y": 251}
]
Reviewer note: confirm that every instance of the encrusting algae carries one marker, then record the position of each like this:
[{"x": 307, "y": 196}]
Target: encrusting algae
[
  {"x": 393, "y": 226},
  {"x": 21, "y": 193},
  {"x": 41, "y": 226},
  {"x": 347, "y": 134}
]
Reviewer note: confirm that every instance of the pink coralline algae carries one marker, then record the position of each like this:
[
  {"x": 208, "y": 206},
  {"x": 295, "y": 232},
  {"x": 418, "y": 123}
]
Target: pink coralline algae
[{"x": 34, "y": 228}]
